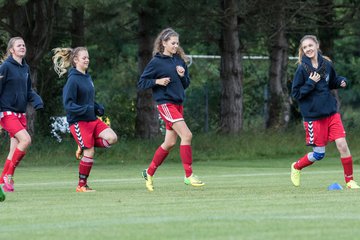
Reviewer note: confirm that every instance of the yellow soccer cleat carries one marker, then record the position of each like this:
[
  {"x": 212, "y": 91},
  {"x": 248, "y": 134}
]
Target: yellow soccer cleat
[
  {"x": 193, "y": 181},
  {"x": 148, "y": 180},
  {"x": 352, "y": 185},
  {"x": 295, "y": 175}
]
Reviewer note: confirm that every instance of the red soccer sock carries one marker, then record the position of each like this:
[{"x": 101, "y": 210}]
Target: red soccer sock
[
  {"x": 347, "y": 163},
  {"x": 15, "y": 161},
  {"x": 101, "y": 143},
  {"x": 6, "y": 167},
  {"x": 85, "y": 166},
  {"x": 303, "y": 162},
  {"x": 186, "y": 158},
  {"x": 158, "y": 159}
]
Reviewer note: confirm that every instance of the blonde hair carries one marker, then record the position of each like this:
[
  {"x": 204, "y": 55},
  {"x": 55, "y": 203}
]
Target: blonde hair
[
  {"x": 165, "y": 35},
  {"x": 64, "y": 58},
  {"x": 10, "y": 45}
]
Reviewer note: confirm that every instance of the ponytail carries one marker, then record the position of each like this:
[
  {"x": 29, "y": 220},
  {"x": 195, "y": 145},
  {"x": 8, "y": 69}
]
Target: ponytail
[{"x": 64, "y": 58}]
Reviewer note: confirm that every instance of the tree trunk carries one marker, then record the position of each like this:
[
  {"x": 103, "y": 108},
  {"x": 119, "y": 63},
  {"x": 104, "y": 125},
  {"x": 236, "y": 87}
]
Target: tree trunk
[
  {"x": 147, "y": 118},
  {"x": 279, "y": 105},
  {"x": 231, "y": 103},
  {"x": 327, "y": 34}
]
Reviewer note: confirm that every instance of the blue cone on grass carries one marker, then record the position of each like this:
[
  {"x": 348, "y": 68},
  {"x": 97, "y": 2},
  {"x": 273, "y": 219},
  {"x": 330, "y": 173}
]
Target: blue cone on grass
[{"x": 335, "y": 186}]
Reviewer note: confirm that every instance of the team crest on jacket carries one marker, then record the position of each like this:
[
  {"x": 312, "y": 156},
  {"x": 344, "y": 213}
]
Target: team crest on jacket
[{"x": 327, "y": 78}]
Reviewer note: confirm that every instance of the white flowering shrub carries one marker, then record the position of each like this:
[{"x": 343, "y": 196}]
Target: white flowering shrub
[{"x": 59, "y": 127}]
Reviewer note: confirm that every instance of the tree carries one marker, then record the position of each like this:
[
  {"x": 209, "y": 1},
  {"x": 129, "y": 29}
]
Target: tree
[
  {"x": 231, "y": 108},
  {"x": 279, "y": 106},
  {"x": 147, "y": 117}
]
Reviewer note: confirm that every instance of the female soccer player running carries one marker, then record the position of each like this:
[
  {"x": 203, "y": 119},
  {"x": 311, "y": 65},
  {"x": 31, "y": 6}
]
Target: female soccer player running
[
  {"x": 314, "y": 79},
  {"x": 15, "y": 94},
  {"x": 82, "y": 110},
  {"x": 167, "y": 75}
]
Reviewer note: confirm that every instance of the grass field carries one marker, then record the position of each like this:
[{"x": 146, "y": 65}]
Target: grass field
[{"x": 241, "y": 200}]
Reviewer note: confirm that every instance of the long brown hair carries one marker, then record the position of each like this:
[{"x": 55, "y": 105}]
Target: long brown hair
[
  {"x": 64, "y": 58},
  {"x": 165, "y": 35}
]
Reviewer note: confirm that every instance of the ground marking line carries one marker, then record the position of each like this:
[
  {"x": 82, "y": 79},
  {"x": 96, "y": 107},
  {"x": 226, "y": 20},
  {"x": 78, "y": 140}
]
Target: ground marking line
[{"x": 139, "y": 179}]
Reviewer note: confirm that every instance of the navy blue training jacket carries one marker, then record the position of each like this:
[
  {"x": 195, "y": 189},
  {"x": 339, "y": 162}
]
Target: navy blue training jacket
[
  {"x": 315, "y": 99},
  {"x": 162, "y": 66},
  {"x": 79, "y": 98},
  {"x": 15, "y": 87}
]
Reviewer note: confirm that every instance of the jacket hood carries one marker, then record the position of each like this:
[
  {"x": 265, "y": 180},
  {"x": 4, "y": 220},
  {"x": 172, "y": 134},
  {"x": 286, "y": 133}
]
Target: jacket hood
[
  {"x": 160, "y": 55},
  {"x": 10, "y": 59},
  {"x": 74, "y": 71},
  {"x": 307, "y": 60}
]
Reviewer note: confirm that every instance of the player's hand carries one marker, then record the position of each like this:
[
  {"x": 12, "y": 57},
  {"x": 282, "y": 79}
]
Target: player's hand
[
  {"x": 163, "y": 81},
  {"x": 315, "y": 76},
  {"x": 180, "y": 70}
]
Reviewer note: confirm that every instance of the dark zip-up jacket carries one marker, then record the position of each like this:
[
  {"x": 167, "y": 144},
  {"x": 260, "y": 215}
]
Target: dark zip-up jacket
[
  {"x": 315, "y": 99},
  {"x": 15, "y": 87},
  {"x": 162, "y": 66}
]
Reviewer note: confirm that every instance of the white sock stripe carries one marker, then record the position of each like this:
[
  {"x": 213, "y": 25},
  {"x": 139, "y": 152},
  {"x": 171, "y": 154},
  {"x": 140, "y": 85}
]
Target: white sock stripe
[
  {"x": 106, "y": 143},
  {"x": 87, "y": 159}
]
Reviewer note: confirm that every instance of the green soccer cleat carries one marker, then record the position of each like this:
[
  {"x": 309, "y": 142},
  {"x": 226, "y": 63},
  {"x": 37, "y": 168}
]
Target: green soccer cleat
[
  {"x": 2, "y": 194},
  {"x": 295, "y": 175},
  {"x": 352, "y": 185},
  {"x": 148, "y": 180},
  {"x": 193, "y": 181}
]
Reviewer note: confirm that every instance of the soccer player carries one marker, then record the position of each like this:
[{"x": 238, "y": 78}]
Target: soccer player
[
  {"x": 82, "y": 110},
  {"x": 314, "y": 79},
  {"x": 15, "y": 94},
  {"x": 167, "y": 75}
]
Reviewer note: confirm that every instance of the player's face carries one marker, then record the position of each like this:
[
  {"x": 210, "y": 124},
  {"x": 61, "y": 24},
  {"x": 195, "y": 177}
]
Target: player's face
[
  {"x": 171, "y": 45},
  {"x": 19, "y": 49},
  {"x": 310, "y": 47},
  {"x": 82, "y": 61}
]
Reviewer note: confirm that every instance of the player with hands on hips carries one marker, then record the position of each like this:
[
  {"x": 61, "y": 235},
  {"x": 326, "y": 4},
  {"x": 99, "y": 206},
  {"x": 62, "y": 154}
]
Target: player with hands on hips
[
  {"x": 167, "y": 75},
  {"x": 314, "y": 79}
]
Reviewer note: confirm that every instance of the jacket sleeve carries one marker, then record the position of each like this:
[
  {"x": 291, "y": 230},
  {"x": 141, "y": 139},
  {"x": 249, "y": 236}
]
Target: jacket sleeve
[
  {"x": 148, "y": 77},
  {"x": 334, "y": 79},
  {"x": 185, "y": 80},
  {"x": 70, "y": 97},
  {"x": 302, "y": 85},
  {"x": 3, "y": 76},
  {"x": 99, "y": 109},
  {"x": 33, "y": 97}
]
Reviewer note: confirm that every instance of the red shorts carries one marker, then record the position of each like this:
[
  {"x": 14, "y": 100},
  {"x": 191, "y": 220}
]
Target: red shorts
[
  {"x": 85, "y": 133},
  {"x": 320, "y": 132},
  {"x": 13, "y": 122},
  {"x": 171, "y": 113}
]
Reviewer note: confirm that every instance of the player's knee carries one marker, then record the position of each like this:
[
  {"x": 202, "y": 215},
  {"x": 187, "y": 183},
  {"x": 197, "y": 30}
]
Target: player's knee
[
  {"x": 187, "y": 136},
  {"x": 112, "y": 139},
  {"x": 318, "y": 156}
]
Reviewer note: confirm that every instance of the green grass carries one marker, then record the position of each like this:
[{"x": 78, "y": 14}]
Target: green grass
[
  {"x": 248, "y": 194},
  {"x": 250, "y": 199}
]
